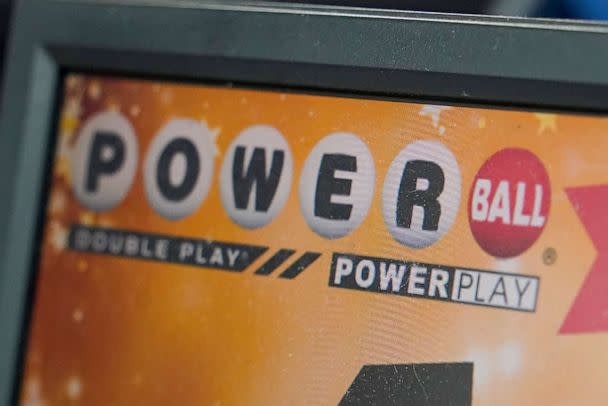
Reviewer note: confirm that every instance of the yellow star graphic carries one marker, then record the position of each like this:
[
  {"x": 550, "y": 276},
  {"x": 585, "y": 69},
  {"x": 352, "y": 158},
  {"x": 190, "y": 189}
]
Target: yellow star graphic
[
  {"x": 87, "y": 218},
  {"x": 214, "y": 132},
  {"x": 63, "y": 169},
  {"x": 59, "y": 236},
  {"x": 58, "y": 202},
  {"x": 434, "y": 112},
  {"x": 546, "y": 122}
]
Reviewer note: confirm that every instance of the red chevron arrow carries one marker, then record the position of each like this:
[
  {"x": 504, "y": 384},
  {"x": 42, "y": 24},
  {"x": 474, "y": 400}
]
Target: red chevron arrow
[{"x": 589, "y": 313}]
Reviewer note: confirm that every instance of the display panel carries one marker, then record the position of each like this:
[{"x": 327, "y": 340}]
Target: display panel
[{"x": 211, "y": 245}]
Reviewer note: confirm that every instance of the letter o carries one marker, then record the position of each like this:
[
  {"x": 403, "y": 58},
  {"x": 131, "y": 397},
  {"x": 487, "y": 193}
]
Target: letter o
[
  {"x": 178, "y": 169},
  {"x": 365, "y": 281}
]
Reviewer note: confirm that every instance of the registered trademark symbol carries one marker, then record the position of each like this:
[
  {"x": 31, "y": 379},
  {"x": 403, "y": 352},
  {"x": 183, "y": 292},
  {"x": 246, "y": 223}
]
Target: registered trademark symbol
[{"x": 549, "y": 256}]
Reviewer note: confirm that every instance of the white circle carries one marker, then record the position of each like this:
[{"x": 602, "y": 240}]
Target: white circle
[
  {"x": 270, "y": 140},
  {"x": 202, "y": 140},
  {"x": 361, "y": 187},
  {"x": 449, "y": 199},
  {"x": 110, "y": 188}
]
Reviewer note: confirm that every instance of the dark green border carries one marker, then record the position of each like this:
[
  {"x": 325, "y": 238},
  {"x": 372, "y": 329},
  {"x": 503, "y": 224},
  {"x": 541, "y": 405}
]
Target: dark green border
[{"x": 499, "y": 61}]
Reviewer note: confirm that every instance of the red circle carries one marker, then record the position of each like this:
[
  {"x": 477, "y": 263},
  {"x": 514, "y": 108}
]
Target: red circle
[{"x": 509, "y": 202}]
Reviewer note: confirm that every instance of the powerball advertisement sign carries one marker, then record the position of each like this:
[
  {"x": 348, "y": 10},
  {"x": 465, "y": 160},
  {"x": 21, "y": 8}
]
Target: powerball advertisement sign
[{"x": 225, "y": 246}]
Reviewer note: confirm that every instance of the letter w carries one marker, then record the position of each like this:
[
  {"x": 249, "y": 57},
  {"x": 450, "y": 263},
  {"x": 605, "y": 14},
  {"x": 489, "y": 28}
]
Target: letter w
[
  {"x": 392, "y": 276},
  {"x": 265, "y": 186}
]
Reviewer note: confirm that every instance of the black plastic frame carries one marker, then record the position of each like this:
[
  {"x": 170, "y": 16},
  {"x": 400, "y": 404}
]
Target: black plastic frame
[{"x": 507, "y": 62}]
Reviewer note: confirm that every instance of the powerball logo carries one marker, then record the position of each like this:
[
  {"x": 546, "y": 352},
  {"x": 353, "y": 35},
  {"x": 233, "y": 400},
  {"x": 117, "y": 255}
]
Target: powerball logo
[{"x": 508, "y": 203}]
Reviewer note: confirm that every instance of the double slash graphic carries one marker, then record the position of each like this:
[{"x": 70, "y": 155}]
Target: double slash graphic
[{"x": 292, "y": 270}]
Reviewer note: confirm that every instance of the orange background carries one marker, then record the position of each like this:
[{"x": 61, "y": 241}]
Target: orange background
[{"x": 111, "y": 331}]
